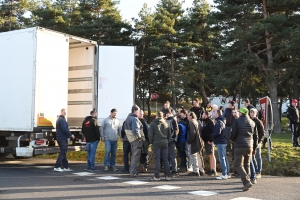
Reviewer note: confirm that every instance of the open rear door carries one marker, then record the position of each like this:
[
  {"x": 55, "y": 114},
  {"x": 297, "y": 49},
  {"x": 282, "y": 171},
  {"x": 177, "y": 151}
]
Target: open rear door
[{"x": 115, "y": 80}]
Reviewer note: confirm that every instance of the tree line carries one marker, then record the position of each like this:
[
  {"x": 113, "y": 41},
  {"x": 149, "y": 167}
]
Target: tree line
[{"x": 247, "y": 48}]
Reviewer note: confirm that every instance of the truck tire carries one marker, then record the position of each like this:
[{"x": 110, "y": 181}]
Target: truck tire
[
  {"x": 3, "y": 155},
  {"x": 19, "y": 157}
]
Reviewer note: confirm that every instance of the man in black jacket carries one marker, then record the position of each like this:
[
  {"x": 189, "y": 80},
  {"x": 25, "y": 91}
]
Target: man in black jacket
[
  {"x": 248, "y": 105},
  {"x": 244, "y": 136},
  {"x": 144, "y": 160},
  {"x": 197, "y": 109},
  {"x": 171, "y": 145},
  {"x": 91, "y": 132},
  {"x": 257, "y": 161},
  {"x": 228, "y": 116},
  {"x": 293, "y": 116},
  {"x": 207, "y": 131}
]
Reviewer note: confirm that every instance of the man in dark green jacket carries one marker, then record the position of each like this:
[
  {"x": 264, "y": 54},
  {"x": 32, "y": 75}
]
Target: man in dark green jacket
[{"x": 159, "y": 136}]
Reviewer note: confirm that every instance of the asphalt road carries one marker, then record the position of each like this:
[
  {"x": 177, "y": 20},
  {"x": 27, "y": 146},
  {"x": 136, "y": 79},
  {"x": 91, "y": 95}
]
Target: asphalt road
[{"x": 34, "y": 179}]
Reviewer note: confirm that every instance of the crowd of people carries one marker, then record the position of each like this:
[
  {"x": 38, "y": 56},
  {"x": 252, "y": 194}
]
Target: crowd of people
[{"x": 239, "y": 133}]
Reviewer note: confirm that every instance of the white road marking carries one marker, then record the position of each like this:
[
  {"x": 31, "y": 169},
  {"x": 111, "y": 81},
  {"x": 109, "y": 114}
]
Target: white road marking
[
  {"x": 83, "y": 173},
  {"x": 203, "y": 193},
  {"x": 167, "y": 187},
  {"x": 108, "y": 177},
  {"x": 136, "y": 182}
]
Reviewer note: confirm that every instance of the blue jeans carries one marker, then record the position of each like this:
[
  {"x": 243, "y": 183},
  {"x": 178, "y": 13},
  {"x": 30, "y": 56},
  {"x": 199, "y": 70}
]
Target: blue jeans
[
  {"x": 91, "y": 148},
  {"x": 110, "y": 153},
  {"x": 257, "y": 161},
  {"x": 223, "y": 159},
  {"x": 126, "y": 152},
  {"x": 181, "y": 149},
  {"x": 252, "y": 169},
  {"x": 62, "y": 157}
]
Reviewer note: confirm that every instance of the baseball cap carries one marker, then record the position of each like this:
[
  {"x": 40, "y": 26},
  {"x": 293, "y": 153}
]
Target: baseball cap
[
  {"x": 254, "y": 110},
  {"x": 244, "y": 111},
  {"x": 294, "y": 101}
]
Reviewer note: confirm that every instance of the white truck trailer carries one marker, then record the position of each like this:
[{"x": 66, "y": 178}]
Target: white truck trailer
[{"x": 43, "y": 71}]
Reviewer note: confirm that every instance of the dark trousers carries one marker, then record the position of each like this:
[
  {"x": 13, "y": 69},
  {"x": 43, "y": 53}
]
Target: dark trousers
[
  {"x": 62, "y": 157},
  {"x": 160, "y": 153},
  {"x": 229, "y": 144},
  {"x": 136, "y": 149},
  {"x": 144, "y": 160},
  {"x": 181, "y": 150},
  {"x": 242, "y": 158},
  {"x": 126, "y": 153},
  {"x": 295, "y": 128}
]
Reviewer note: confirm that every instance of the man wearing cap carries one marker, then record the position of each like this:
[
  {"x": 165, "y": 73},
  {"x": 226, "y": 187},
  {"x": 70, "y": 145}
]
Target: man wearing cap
[
  {"x": 244, "y": 136},
  {"x": 248, "y": 105},
  {"x": 228, "y": 116},
  {"x": 256, "y": 165},
  {"x": 293, "y": 116}
]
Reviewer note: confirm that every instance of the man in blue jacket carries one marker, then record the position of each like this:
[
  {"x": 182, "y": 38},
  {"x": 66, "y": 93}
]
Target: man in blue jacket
[{"x": 62, "y": 135}]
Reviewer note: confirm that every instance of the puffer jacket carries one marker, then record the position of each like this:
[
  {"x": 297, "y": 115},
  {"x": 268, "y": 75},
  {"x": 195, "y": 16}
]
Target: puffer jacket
[{"x": 244, "y": 133}]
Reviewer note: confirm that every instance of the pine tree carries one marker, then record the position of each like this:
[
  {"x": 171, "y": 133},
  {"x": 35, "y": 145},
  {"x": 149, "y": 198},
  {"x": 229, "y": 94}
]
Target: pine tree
[{"x": 11, "y": 14}]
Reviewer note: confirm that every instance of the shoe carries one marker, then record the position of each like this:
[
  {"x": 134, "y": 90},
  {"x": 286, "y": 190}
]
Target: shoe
[
  {"x": 95, "y": 169},
  {"x": 125, "y": 170},
  {"x": 143, "y": 169},
  {"x": 212, "y": 173},
  {"x": 221, "y": 177},
  {"x": 133, "y": 175},
  {"x": 67, "y": 169},
  {"x": 193, "y": 174},
  {"x": 114, "y": 169},
  {"x": 202, "y": 173},
  {"x": 182, "y": 170},
  {"x": 247, "y": 187},
  {"x": 58, "y": 169},
  {"x": 235, "y": 174},
  {"x": 258, "y": 175},
  {"x": 295, "y": 145},
  {"x": 253, "y": 181},
  {"x": 228, "y": 177},
  {"x": 154, "y": 179},
  {"x": 174, "y": 174},
  {"x": 190, "y": 169},
  {"x": 168, "y": 178},
  {"x": 106, "y": 168},
  {"x": 87, "y": 169}
]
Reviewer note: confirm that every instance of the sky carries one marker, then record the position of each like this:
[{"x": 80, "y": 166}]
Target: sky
[{"x": 131, "y": 8}]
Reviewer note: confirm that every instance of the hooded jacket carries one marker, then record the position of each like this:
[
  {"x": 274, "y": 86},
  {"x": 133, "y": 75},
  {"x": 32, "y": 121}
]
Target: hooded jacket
[
  {"x": 90, "y": 129},
  {"x": 133, "y": 128},
  {"x": 219, "y": 134},
  {"x": 208, "y": 130},
  {"x": 244, "y": 133},
  {"x": 62, "y": 129},
  {"x": 159, "y": 133},
  {"x": 194, "y": 138}
]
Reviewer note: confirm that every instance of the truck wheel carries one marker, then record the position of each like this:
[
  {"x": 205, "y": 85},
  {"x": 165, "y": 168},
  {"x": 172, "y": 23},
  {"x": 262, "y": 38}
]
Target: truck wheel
[
  {"x": 19, "y": 157},
  {"x": 3, "y": 155}
]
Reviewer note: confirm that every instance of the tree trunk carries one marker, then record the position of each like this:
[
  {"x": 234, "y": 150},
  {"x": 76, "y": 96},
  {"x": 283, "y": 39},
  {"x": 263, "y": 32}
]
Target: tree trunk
[
  {"x": 173, "y": 80},
  {"x": 271, "y": 79},
  {"x": 296, "y": 83},
  {"x": 149, "y": 108},
  {"x": 272, "y": 85}
]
